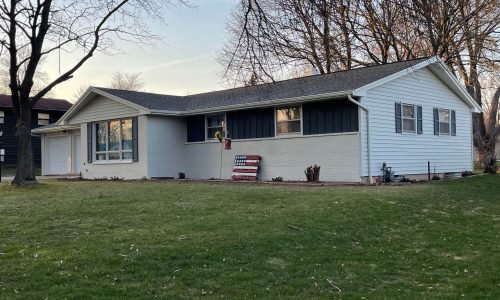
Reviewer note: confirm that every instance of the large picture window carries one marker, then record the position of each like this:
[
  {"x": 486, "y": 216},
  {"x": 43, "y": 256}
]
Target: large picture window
[
  {"x": 215, "y": 123},
  {"x": 288, "y": 120},
  {"x": 113, "y": 140}
]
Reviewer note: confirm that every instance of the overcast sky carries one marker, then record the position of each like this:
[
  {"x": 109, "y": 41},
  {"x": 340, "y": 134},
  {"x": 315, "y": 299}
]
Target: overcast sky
[{"x": 182, "y": 63}]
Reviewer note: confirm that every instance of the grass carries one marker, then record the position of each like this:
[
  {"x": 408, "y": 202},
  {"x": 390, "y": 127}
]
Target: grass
[{"x": 116, "y": 240}]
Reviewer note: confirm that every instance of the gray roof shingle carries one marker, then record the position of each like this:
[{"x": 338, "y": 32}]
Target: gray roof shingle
[{"x": 304, "y": 86}]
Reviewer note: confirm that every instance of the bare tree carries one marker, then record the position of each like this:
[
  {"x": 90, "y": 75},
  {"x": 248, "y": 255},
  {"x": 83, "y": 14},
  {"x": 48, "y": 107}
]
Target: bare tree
[
  {"x": 272, "y": 38},
  {"x": 46, "y": 26},
  {"x": 127, "y": 81},
  {"x": 80, "y": 91},
  {"x": 266, "y": 37}
]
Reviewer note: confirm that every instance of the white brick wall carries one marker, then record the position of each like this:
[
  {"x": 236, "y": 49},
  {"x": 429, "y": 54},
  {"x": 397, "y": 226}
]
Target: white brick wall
[
  {"x": 338, "y": 156},
  {"x": 166, "y": 146},
  {"x": 135, "y": 170}
]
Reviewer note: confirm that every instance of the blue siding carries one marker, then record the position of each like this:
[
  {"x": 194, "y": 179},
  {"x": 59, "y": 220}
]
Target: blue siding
[
  {"x": 333, "y": 116},
  {"x": 195, "y": 128},
  {"x": 9, "y": 134},
  {"x": 251, "y": 124}
]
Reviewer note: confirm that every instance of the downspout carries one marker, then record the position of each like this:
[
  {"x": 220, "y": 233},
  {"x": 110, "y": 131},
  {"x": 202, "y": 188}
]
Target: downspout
[{"x": 349, "y": 96}]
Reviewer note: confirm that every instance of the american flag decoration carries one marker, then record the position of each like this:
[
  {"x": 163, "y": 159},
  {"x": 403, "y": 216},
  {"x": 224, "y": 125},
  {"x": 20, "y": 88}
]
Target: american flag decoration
[{"x": 246, "y": 167}]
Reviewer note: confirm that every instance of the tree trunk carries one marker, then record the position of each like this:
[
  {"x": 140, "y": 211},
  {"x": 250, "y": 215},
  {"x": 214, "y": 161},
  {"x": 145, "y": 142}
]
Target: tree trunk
[
  {"x": 486, "y": 158},
  {"x": 25, "y": 172}
]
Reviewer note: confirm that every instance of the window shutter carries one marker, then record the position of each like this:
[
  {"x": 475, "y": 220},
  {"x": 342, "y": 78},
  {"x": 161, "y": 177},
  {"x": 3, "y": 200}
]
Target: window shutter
[
  {"x": 399, "y": 124},
  {"x": 453, "y": 123},
  {"x": 436, "y": 121},
  {"x": 420, "y": 126},
  {"x": 89, "y": 142},
  {"x": 135, "y": 140}
]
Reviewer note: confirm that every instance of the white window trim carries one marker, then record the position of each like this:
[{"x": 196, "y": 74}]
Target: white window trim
[
  {"x": 276, "y": 133},
  {"x": 449, "y": 121},
  {"x": 224, "y": 126},
  {"x": 44, "y": 119},
  {"x": 121, "y": 151},
  {"x": 403, "y": 131}
]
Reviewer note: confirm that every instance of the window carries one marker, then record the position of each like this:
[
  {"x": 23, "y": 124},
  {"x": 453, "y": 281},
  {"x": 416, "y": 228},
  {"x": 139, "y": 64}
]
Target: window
[
  {"x": 113, "y": 140},
  {"x": 409, "y": 118},
  {"x": 43, "y": 119},
  {"x": 288, "y": 120},
  {"x": 2, "y": 117},
  {"x": 444, "y": 121},
  {"x": 215, "y": 123}
]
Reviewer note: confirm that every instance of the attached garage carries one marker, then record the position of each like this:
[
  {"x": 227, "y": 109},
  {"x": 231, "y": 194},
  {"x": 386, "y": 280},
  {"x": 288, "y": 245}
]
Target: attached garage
[
  {"x": 60, "y": 149},
  {"x": 57, "y": 155}
]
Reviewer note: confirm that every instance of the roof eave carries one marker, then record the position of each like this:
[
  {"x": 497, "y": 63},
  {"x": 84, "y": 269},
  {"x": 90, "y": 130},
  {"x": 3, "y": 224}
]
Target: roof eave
[
  {"x": 86, "y": 96},
  {"x": 284, "y": 101},
  {"x": 55, "y": 129}
]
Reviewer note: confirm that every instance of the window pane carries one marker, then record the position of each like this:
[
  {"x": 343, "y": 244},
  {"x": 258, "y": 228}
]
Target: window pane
[
  {"x": 444, "y": 128},
  {"x": 113, "y": 155},
  {"x": 127, "y": 155},
  {"x": 43, "y": 116},
  {"x": 1, "y": 117},
  {"x": 444, "y": 116},
  {"x": 100, "y": 143},
  {"x": 100, "y": 156},
  {"x": 114, "y": 135},
  {"x": 408, "y": 111},
  {"x": 408, "y": 125},
  {"x": 215, "y": 121},
  {"x": 290, "y": 113},
  {"x": 43, "y": 122},
  {"x": 211, "y": 132},
  {"x": 288, "y": 127},
  {"x": 127, "y": 134}
]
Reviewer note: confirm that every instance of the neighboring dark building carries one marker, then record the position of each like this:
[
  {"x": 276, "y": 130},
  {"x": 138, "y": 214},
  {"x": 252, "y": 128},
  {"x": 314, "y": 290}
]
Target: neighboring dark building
[{"x": 45, "y": 112}]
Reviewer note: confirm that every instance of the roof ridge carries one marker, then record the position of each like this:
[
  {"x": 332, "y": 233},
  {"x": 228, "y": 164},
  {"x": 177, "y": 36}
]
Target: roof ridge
[
  {"x": 310, "y": 76},
  {"x": 138, "y": 92},
  {"x": 260, "y": 85}
]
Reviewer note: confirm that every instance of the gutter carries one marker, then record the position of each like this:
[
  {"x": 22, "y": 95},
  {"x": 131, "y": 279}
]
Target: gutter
[{"x": 350, "y": 98}]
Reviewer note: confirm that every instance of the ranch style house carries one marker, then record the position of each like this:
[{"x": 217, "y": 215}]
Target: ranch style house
[{"x": 404, "y": 114}]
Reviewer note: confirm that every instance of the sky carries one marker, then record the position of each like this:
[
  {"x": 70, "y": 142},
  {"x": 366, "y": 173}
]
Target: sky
[{"x": 182, "y": 63}]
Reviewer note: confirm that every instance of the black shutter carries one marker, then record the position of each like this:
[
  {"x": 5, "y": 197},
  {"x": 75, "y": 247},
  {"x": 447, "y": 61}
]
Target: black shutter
[
  {"x": 397, "y": 112},
  {"x": 453, "y": 123},
  {"x": 419, "y": 120},
  {"x": 436, "y": 121},
  {"x": 135, "y": 140},
  {"x": 89, "y": 142}
]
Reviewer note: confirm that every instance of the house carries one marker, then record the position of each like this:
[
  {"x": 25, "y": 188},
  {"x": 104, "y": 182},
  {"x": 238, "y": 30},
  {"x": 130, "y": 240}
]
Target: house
[
  {"x": 46, "y": 111},
  {"x": 405, "y": 114}
]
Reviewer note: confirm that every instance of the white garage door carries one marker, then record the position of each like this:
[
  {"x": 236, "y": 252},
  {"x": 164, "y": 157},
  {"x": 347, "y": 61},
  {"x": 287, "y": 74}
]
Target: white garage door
[{"x": 57, "y": 153}]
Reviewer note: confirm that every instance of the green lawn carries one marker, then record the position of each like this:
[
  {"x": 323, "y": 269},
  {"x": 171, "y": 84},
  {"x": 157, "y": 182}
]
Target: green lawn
[{"x": 178, "y": 240}]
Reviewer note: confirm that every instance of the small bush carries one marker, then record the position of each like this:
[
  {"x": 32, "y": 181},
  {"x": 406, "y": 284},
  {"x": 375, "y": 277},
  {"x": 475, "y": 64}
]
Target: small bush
[
  {"x": 467, "y": 173},
  {"x": 277, "y": 179},
  {"x": 436, "y": 177}
]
